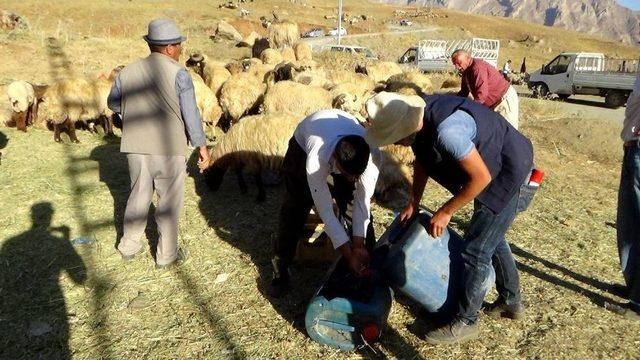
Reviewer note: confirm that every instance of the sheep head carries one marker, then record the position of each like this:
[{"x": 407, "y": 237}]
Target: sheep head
[
  {"x": 197, "y": 62},
  {"x": 361, "y": 69}
]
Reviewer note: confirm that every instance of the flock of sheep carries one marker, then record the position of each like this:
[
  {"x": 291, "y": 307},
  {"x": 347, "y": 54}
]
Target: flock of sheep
[{"x": 250, "y": 107}]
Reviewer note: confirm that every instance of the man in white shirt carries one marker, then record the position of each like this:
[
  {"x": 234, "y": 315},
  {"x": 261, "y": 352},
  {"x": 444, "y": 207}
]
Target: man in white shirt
[
  {"x": 628, "y": 221},
  {"x": 328, "y": 142}
]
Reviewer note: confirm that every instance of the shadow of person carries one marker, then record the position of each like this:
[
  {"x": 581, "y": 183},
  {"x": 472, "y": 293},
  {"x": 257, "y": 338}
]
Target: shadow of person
[
  {"x": 250, "y": 227},
  {"x": 114, "y": 172},
  {"x": 33, "y": 314}
]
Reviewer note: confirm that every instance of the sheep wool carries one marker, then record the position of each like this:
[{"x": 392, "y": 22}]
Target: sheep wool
[
  {"x": 70, "y": 98},
  {"x": 402, "y": 154},
  {"x": 206, "y": 100},
  {"x": 240, "y": 94},
  {"x": 340, "y": 76},
  {"x": 382, "y": 71},
  {"x": 394, "y": 182},
  {"x": 313, "y": 77},
  {"x": 21, "y": 95},
  {"x": 351, "y": 98},
  {"x": 255, "y": 144},
  {"x": 295, "y": 98},
  {"x": 302, "y": 51},
  {"x": 283, "y": 34},
  {"x": 271, "y": 56},
  {"x": 288, "y": 55},
  {"x": 410, "y": 83},
  {"x": 258, "y": 142}
]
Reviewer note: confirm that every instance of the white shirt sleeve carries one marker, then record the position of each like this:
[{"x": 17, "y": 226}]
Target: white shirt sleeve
[
  {"x": 317, "y": 174},
  {"x": 365, "y": 186}
]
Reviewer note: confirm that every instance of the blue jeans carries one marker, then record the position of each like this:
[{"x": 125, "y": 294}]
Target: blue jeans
[
  {"x": 628, "y": 222},
  {"x": 484, "y": 245}
]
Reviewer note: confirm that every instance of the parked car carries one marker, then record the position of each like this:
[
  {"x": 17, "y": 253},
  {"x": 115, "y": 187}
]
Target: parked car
[
  {"x": 312, "y": 33},
  {"x": 358, "y": 50},
  {"x": 334, "y": 32},
  {"x": 574, "y": 73},
  {"x": 405, "y": 22}
]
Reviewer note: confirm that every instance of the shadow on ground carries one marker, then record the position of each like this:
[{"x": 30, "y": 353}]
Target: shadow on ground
[{"x": 33, "y": 315}]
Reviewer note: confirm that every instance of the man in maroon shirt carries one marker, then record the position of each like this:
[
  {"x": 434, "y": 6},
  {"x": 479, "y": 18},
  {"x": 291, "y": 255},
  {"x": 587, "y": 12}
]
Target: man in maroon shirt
[{"x": 486, "y": 85}]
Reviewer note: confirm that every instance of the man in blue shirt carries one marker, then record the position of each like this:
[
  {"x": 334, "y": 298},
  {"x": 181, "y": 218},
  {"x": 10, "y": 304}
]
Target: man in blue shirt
[{"x": 478, "y": 156}]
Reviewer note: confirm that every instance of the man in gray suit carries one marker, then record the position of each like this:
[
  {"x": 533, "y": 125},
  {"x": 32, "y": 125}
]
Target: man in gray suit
[{"x": 156, "y": 100}]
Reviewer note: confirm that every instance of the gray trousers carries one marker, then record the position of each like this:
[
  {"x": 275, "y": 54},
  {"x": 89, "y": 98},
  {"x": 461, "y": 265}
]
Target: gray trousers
[{"x": 165, "y": 175}]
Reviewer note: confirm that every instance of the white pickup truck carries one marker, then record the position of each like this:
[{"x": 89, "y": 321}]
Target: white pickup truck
[
  {"x": 586, "y": 73},
  {"x": 435, "y": 55}
]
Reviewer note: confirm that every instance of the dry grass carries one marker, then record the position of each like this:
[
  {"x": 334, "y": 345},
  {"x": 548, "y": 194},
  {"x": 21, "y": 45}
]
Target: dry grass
[{"x": 564, "y": 243}]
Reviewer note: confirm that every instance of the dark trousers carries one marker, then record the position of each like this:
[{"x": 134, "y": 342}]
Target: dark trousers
[
  {"x": 484, "y": 246},
  {"x": 298, "y": 202},
  {"x": 628, "y": 222}
]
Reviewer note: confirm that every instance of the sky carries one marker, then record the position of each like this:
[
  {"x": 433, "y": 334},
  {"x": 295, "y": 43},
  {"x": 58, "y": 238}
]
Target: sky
[{"x": 632, "y": 4}]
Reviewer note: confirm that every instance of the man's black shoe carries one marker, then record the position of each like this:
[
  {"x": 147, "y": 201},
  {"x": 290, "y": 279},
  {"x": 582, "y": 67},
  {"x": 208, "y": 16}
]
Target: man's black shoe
[
  {"x": 500, "y": 308},
  {"x": 279, "y": 287}
]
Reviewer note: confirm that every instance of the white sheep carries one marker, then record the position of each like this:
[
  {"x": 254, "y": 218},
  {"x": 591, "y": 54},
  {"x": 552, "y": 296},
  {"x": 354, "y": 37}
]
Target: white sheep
[
  {"x": 271, "y": 56},
  {"x": 241, "y": 94},
  {"x": 256, "y": 144},
  {"x": 296, "y": 98},
  {"x": 394, "y": 181},
  {"x": 207, "y": 103},
  {"x": 288, "y": 55},
  {"x": 380, "y": 71},
  {"x": 213, "y": 73},
  {"x": 410, "y": 83},
  {"x": 24, "y": 104},
  {"x": 302, "y": 51},
  {"x": 351, "y": 98},
  {"x": 340, "y": 76},
  {"x": 284, "y": 33}
]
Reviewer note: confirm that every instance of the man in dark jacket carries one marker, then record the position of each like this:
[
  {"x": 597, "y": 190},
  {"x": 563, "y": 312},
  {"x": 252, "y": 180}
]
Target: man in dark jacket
[{"x": 477, "y": 155}]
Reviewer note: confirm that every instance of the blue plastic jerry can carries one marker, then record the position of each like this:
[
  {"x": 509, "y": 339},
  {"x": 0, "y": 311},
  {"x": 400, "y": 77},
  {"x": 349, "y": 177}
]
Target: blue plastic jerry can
[
  {"x": 426, "y": 269},
  {"x": 348, "y": 311}
]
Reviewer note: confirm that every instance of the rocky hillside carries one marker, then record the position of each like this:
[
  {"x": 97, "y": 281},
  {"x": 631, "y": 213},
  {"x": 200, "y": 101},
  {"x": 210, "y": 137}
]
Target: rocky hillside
[{"x": 605, "y": 17}]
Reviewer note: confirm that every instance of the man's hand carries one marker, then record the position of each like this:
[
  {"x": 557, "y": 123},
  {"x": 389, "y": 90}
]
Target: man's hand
[
  {"x": 439, "y": 222},
  {"x": 357, "y": 257},
  {"x": 203, "y": 158},
  {"x": 408, "y": 212}
]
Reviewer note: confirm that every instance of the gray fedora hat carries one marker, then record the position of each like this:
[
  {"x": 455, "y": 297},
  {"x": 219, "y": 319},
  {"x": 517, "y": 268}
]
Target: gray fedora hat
[{"x": 163, "y": 32}]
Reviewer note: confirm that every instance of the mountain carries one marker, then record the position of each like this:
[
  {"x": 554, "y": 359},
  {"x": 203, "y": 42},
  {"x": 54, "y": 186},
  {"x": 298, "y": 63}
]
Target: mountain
[{"x": 604, "y": 17}]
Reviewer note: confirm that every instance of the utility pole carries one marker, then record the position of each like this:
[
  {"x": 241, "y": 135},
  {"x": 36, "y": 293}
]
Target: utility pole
[{"x": 339, "y": 20}]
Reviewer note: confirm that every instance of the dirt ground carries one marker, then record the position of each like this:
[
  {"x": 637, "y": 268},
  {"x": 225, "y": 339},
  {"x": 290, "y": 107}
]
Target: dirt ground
[{"x": 63, "y": 299}]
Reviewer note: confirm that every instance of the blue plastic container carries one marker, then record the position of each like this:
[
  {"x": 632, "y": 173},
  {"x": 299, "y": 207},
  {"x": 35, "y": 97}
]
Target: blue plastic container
[
  {"x": 347, "y": 310},
  {"x": 426, "y": 269}
]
